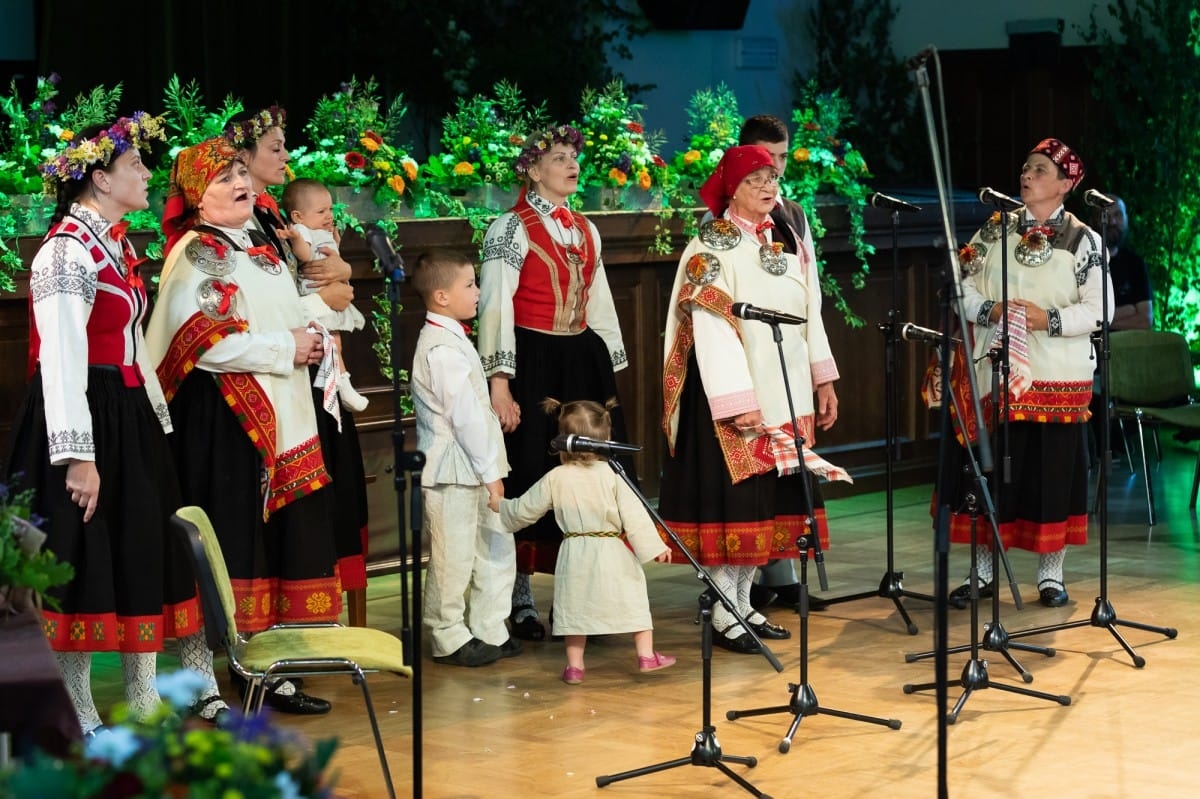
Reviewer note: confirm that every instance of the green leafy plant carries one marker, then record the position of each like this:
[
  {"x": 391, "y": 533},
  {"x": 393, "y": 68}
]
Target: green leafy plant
[
  {"x": 168, "y": 755},
  {"x": 617, "y": 150},
  {"x": 713, "y": 126},
  {"x": 483, "y": 137},
  {"x": 1147, "y": 81},
  {"x": 822, "y": 161},
  {"x": 24, "y": 565}
]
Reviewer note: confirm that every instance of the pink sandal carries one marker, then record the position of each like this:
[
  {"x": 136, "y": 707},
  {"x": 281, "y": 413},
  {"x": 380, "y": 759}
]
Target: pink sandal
[
  {"x": 656, "y": 662},
  {"x": 572, "y": 675}
]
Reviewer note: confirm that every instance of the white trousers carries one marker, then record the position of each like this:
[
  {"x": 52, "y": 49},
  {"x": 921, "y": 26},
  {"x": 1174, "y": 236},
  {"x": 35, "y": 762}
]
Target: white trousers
[{"x": 472, "y": 564}]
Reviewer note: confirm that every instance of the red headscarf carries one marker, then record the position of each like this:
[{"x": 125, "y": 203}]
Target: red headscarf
[
  {"x": 735, "y": 165},
  {"x": 195, "y": 167},
  {"x": 1064, "y": 157}
]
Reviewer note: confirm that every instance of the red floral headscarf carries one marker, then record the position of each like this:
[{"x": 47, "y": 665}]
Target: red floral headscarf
[
  {"x": 194, "y": 169},
  {"x": 1064, "y": 157},
  {"x": 735, "y": 165}
]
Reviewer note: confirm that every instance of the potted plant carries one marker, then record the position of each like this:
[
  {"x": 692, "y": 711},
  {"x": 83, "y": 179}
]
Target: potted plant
[
  {"x": 824, "y": 168},
  {"x": 169, "y": 755},
  {"x": 26, "y": 570},
  {"x": 620, "y": 159}
]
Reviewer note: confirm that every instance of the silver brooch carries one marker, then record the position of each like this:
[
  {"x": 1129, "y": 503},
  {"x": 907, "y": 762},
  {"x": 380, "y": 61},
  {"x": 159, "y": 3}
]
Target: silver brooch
[
  {"x": 703, "y": 268},
  {"x": 991, "y": 230},
  {"x": 207, "y": 260},
  {"x": 720, "y": 234},
  {"x": 772, "y": 258},
  {"x": 217, "y": 299}
]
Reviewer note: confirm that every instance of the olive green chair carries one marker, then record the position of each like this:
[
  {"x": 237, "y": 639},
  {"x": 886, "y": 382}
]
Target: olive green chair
[
  {"x": 1150, "y": 381},
  {"x": 285, "y": 650}
]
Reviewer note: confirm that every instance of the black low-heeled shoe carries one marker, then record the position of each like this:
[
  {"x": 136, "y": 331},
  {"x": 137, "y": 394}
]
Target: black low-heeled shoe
[
  {"x": 744, "y": 644},
  {"x": 771, "y": 631},
  {"x": 217, "y": 717},
  {"x": 528, "y": 628},
  {"x": 961, "y": 597},
  {"x": 299, "y": 703},
  {"x": 1053, "y": 595}
]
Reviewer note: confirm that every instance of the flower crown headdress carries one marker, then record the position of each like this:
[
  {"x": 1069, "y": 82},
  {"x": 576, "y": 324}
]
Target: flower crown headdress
[
  {"x": 538, "y": 146},
  {"x": 249, "y": 131},
  {"x": 73, "y": 162}
]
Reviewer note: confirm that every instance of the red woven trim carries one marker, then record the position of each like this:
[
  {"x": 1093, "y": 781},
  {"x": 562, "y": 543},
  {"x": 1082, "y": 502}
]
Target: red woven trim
[
  {"x": 1033, "y": 536},
  {"x": 108, "y": 632},
  {"x": 297, "y": 473},
  {"x": 263, "y": 602},
  {"x": 194, "y": 338}
]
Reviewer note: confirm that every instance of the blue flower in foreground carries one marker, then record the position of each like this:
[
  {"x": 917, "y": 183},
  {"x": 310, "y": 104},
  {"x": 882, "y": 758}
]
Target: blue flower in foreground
[
  {"x": 180, "y": 689},
  {"x": 114, "y": 745}
]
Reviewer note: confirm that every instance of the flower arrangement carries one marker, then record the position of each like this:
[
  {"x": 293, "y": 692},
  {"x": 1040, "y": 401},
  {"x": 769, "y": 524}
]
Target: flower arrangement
[
  {"x": 482, "y": 139},
  {"x": 822, "y": 160},
  {"x": 82, "y": 153},
  {"x": 617, "y": 150},
  {"x": 713, "y": 125},
  {"x": 354, "y": 145},
  {"x": 164, "y": 756},
  {"x": 25, "y": 568}
]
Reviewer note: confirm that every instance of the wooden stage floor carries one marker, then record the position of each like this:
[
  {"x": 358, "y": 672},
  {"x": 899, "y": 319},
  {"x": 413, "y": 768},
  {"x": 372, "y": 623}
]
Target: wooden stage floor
[{"x": 513, "y": 729}]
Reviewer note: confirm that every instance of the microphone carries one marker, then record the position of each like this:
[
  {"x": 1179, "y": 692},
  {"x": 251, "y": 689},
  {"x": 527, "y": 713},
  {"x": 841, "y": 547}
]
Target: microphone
[
  {"x": 744, "y": 310},
  {"x": 892, "y": 203},
  {"x": 381, "y": 247},
  {"x": 911, "y": 332},
  {"x": 1098, "y": 200},
  {"x": 920, "y": 58},
  {"x": 995, "y": 199},
  {"x": 569, "y": 442}
]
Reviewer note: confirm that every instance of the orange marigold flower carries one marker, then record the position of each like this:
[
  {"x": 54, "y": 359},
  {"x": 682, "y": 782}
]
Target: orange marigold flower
[
  {"x": 801, "y": 154},
  {"x": 410, "y": 169},
  {"x": 691, "y": 156},
  {"x": 369, "y": 144},
  {"x": 396, "y": 183},
  {"x": 617, "y": 176},
  {"x": 66, "y": 135},
  {"x": 464, "y": 168},
  {"x": 644, "y": 179}
]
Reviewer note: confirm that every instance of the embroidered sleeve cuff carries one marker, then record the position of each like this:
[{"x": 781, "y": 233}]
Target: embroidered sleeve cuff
[
  {"x": 983, "y": 318},
  {"x": 1054, "y": 321},
  {"x": 823, "y": 372},
  {"x": 730, "y": 405}
]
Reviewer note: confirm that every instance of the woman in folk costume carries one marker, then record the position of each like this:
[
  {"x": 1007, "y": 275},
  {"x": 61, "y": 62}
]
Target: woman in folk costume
[
  {"x": 724, "y": 396},
  {"x": 91, "y": 437},
  {"x": 547, "y": 327},
  {"x": 1055, "y": 295},
  {"x": 232, "y": 346},
  {"x": 261, "y": 138}
]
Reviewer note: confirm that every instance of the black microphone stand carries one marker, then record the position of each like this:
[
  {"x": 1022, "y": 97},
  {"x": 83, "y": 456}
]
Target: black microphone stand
[
  {"x": 891, "y": 586},
  {"x": 706, "y": 749},
  {"x": 1104, "y": 615},
  {"x": 803, "y": 701},
  {"x": 403, "y": 465}
]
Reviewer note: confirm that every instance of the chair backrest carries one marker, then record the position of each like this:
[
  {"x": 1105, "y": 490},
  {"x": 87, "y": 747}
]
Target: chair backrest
[
  {"x": 1150, "y": 367},
  {"x": 212, "y": 578}
]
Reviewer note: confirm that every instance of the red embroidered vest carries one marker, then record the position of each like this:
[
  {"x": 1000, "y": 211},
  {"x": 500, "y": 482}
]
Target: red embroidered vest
[
  {"x": 117, "y": 311},
  {"x": 552, "y": 291}
]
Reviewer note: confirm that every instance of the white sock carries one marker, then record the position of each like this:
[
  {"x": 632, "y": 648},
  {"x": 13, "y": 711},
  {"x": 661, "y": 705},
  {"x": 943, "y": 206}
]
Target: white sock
[
  {"x": 1050, "y": 567},
  {"x": 139, "y": 669},
  {"x": 745, "y": 578},
  {"x": 76, "y": 669},
  {"x": 195, "y": 655},
  {"x": 725, "y": 578},
  {"x": 983, "y": 564},
  {"x": 523, "y": 595},
  {"x": 349, "y": 397}
]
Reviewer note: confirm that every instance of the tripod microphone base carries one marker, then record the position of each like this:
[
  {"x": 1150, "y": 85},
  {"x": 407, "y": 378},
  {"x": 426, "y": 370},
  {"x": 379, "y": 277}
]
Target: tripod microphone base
[
  {"x": 1105, "y": 617},
  {"x": 804, "y": 703},
  {"x": 705, "y": 752},
  {"x": 974, "y": 678},
  {"x": 891, "y": 587}
]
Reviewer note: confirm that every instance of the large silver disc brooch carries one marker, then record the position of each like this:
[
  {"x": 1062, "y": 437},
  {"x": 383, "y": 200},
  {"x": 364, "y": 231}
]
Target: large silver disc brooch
[
  {"x": 210, "y": 255},
  {"x": 992, "y": 229},
  {"x": 971, "y": 257},
  {"x": 703, "y": 268},
  {"x": 1035, "y": 247},
  {"x": 217, "y": 299},
  {"x": 720, "y": 234},
  {"x": 771, "y": 257}
]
